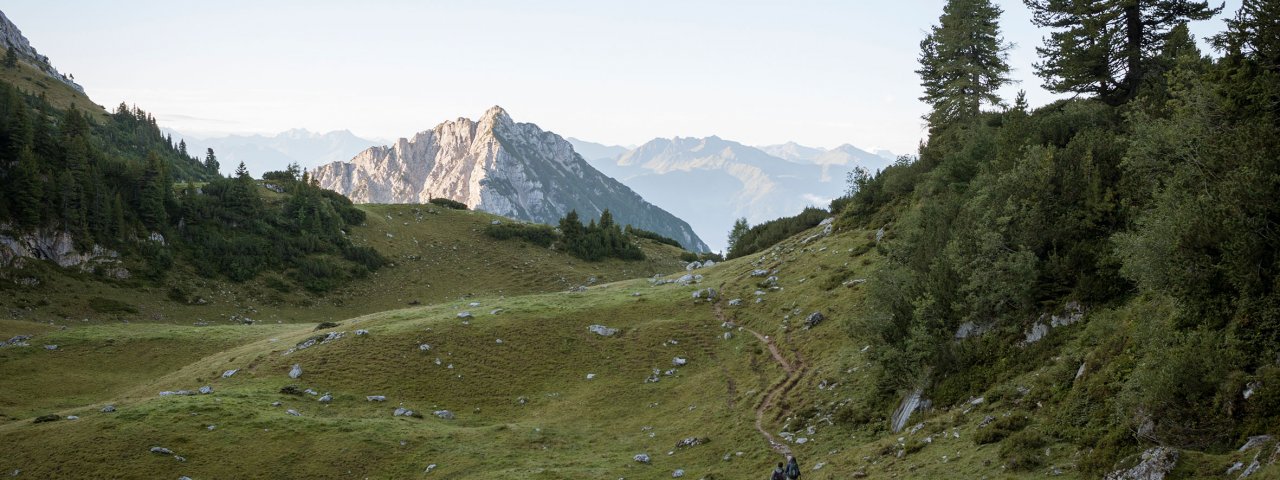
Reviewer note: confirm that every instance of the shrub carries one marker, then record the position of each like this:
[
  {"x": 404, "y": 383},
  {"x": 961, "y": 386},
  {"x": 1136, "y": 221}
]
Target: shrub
[
  {"x": 652, "y": 236},
  {"x": 537, "y": 234},
  {"x": 769, "y": 233},
  {"x": 107, "y": 305},
  {"x": 447, "y": 203},
  {"x": 1001, "y": 428}
]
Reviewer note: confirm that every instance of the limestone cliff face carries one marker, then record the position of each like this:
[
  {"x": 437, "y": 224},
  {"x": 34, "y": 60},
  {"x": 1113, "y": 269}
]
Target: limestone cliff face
[{"x": 498, "y": 166}]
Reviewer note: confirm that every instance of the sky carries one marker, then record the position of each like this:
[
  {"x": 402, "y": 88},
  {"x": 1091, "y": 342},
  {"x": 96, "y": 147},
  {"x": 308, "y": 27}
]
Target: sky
[{"x": 820, "y": 73}]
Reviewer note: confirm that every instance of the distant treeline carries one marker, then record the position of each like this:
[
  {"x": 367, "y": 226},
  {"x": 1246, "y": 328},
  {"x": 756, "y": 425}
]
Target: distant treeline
[
  {"x": 592, "y": 242},
  {"x": 745, "y": 240}
]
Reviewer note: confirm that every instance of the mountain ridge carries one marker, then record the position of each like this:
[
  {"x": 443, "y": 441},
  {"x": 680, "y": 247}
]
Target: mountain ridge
[{"x": 500, "y": 166}]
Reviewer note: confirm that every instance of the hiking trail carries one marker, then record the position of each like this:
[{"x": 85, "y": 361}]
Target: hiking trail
[{"x": 791, "y": 377}]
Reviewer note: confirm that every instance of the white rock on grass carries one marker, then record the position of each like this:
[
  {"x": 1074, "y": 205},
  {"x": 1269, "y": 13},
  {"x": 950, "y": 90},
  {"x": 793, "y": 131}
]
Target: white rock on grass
[
  {"x": 641, "y": 458},
  {"x": 679, "y": 361},
  {"x": 293, "y": 412},
  {"x": 465, "y": 315},
  {"x": 205, "y": 390},
  {"x": 591, "y": 376},
  {"x": 295, "y": 371},
  {"x": 326, "y": 398},
  {"x": 445, "y": 414},
  {"x": 602, "y": 330},
  {"x": 376, "y": 398},
  {"x": 678, "y": 473},
  {"x": 161, "y": 450},
  {"x": 361, "y": 332},
  {"x": 229, "y": 373},
  {"x": 424, "y": 347}
]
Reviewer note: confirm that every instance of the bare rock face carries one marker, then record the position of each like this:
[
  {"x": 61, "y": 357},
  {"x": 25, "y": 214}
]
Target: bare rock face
[
  {"x": 59, "y": 248},
  {"x": 498, "y": 166}
]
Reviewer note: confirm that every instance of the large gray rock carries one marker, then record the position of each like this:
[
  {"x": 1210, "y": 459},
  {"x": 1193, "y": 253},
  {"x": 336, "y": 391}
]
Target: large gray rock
[
  {"x": 161, "y": 450},
  {"x": 376, "y": 398},
  {"x": 295, "y": 371},
  {"x": 909, "y": 405},
  {"x": 641, "y": 458},
  {"x": 445, "y": 414},
  {"x": 814, "y": 319},
  {"x": 1156, "y": 462}
]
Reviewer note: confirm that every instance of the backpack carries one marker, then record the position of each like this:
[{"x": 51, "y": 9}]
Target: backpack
[
  {"x": 777, "y": 475},
  {"x": 793, "y": 471}
]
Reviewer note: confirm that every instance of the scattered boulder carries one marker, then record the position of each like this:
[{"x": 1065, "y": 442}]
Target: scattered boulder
[
  {"x": 465, "y": 315},
  {"x": 295, "y": 371},
  {"x": 46, "y": 418},
  {"x": 685, "y": 279},
  {"x": 693, "y": 266},
  {"x": 326, "y": 398},
  {"x": 51, "y": 347},
  {"x": 376, "y": 398},
  {"x": 602, "y": 330},
  {"x": 641, "y": 458},
  {"x": 178, "y": 393},
  {"x": 229, "y": 373},
  {"x": 444, "y": 414},
  {"x": 759, "y": 273},
  {"x": 73, "y": 417},
  {"x": 161, "y": 450},
  {"x": 424, "y": 347},
  {"x": 735, "y": 302},
  {"x": 813, "y": 320},
  {"x": 402, "y": 412},
  {"x": 473, "y": 304},
  {"x": 708, "y": 264},
  {"x": 678, "y": 473},
  {"x": 679, "y": 361},
  {"x": 293, "y": 412},
  {"x": 109, "y": 409},
  {"x": 691, "y": 442},
  {"x": 361, "y": 332},
  {"x": 1155, "y": 464},
  {"x": 591, "y": 376},
  {"x": 728, "y": 335},
  {"x": 205, "y": 390}
]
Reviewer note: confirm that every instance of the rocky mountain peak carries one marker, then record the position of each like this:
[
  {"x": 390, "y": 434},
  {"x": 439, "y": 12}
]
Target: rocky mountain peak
[{"x": 497, "y": 165}]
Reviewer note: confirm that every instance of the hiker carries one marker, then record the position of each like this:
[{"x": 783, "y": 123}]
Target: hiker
[
  {"x": 777, "y": 474},
  {"x": 793, "y": 468}
]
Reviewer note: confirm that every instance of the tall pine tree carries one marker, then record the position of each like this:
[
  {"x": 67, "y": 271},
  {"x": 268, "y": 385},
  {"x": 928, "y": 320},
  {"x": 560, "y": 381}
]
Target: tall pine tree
[
  {"x": 1103, "y": 47},
  {"x": 963, "y": 61}
]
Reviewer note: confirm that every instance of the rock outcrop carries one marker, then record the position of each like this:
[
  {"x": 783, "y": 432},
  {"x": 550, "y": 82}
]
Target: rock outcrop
[
  {"x": 11, "y": 37},
  {"x": 498, "y": 166}
]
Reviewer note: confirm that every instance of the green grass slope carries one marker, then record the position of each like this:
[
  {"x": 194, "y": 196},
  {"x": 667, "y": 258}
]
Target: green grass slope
[
  {"x": 517, "y": 383},
  {"x": 437, "y": 254}
]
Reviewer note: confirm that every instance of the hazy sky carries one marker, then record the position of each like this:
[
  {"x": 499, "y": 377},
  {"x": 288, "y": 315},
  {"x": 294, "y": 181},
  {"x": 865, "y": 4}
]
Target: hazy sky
[{"x": 821, "y": 73}]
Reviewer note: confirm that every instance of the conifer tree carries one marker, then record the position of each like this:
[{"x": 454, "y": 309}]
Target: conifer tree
[
  {"x": 211, "y": 161},
  {"x": 740, "y": 227},
  {"x": 963, "y": 61},
  {"x": 1103, "y": 46},
  {"x": 1254, "y": 32},
  {"x": 11, "y": 57}
]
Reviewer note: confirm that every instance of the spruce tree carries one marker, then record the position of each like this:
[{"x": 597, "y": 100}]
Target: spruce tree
[
  {"x": 1103, "y": 47},
  {"x": 1254, "y": 33},
  {"x": 210, "y": 161},
  {"x": 963, "y": 61},
  {"x": 11, "y": 58}
]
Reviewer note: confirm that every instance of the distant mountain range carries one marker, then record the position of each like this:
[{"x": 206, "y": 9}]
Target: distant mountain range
[
  {"x": 711, "y": 181},
  {"x": 726, "y": 179},
  {"x": 262, "y": 153},
  {"x": 499, "y": 166}
]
